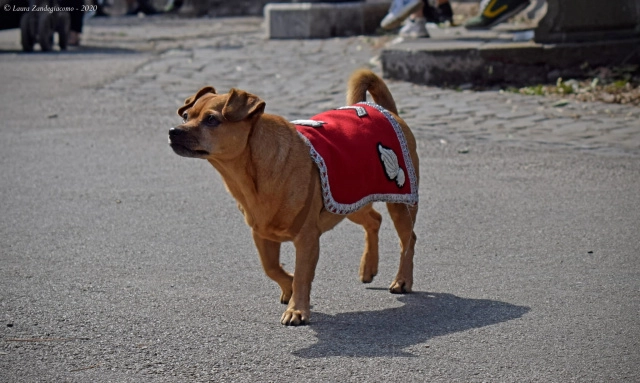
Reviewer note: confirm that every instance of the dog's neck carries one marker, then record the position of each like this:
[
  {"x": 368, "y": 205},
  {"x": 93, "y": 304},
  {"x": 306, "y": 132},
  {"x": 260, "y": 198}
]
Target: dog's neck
[
  {"x": 264, "y": 173},
  {"x": 237, "y": 173}
]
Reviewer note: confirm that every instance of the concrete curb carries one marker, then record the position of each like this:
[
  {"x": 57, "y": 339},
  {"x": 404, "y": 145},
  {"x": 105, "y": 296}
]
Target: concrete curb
[
  {"x": 322, "y": 20},
  {"x": 474, "y": 61}
]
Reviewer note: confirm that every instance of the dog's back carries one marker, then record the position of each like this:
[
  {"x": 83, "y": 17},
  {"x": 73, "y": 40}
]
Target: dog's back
[{"x": 363, "y": 80}]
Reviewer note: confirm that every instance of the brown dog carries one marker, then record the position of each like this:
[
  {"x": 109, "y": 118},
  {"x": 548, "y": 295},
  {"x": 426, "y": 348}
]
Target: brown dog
[{"x": 267, "y": 168}]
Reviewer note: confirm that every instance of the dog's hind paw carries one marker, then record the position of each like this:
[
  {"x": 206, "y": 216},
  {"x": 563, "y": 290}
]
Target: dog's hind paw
[
  {"x": 367, "y": 270},
  {"x": 367, "y": 276},
  {"x": 285, "y": 296},
  {"x": 368, "y": 267}
]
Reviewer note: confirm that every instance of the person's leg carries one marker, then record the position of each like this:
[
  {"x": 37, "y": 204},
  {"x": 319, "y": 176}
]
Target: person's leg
[
  {"x": 445, "y": 11},
  {"x": 439, "y": 13},
  {"x": 77, "y": 17},
  {"x": 132, "y": 7},
  {"x": 399, "y": 10},
  {"x": 146, "y": 7},
  {"x": 100, "y": 5},
  {"x": 173, "y": 6}
]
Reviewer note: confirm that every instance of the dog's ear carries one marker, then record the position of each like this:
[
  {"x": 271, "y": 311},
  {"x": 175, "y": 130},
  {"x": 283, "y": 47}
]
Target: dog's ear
[
  {"x": 241, "y": 105},
  {"x": 188, "y": 103}
]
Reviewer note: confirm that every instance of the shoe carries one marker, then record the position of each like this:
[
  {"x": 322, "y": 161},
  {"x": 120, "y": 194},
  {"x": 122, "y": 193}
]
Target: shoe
[
  {"x": 399, "y": 10},
  {"x": 494, "y": 12},
  {"x": 414, "y": 28}
]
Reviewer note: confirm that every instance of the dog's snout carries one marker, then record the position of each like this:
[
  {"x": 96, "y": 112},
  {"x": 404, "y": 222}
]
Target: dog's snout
[{"x": 176, "y": 132}]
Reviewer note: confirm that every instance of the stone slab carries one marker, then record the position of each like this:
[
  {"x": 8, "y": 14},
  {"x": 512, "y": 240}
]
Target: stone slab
[
  {"x": 588, "y": 21},
  {"x": 322, "y": 20},
  {"x": 465, "y": 57}
]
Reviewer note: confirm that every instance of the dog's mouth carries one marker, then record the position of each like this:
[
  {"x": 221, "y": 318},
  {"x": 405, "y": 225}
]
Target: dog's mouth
[{"x": 184, "y": 151}]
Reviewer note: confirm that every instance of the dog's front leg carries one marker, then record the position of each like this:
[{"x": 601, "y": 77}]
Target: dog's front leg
[
  {"x": 307, "y": 251},
  {"x": 269, "y": 252}
]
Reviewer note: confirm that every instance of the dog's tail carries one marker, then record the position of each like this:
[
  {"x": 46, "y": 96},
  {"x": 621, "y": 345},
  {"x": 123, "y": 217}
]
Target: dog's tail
[{"x": 363, "y": 80}]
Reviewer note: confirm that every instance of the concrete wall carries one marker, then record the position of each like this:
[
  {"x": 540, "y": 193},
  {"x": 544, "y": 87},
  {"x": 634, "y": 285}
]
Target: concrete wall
[
  {"x": 322, "y": 20},
  {"x": 230, "y": 7},
  {"x": 243, "y": 7},
  {"x": 589, "y": 20}
]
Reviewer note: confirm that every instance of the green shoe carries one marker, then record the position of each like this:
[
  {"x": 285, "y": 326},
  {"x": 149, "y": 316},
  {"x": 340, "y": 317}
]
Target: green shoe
[{"x": 494, "y": 12}]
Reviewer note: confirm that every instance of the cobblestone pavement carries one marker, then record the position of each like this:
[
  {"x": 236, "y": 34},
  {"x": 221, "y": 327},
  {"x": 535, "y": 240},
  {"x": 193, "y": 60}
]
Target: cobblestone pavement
[
  {"x": 299, "y": 78},
  {"x": 302, "y": 77}
]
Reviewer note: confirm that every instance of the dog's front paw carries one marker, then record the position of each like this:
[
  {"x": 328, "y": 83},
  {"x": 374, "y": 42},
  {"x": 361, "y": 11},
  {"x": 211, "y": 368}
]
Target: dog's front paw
[
  {"x": 400, "y": 286},
  {"x": 293, "y": 317}
]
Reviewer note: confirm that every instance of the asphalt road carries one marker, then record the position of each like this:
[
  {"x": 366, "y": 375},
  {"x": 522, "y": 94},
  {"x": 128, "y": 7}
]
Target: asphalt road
[{"x": 122, "y": 262}]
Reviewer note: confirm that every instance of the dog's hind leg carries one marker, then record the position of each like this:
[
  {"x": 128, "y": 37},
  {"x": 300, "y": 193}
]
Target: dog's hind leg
[
  {"x": 370, "y": 220},
  {"x": 404, "y": 217},
  {"x": 269, "y": 252}
]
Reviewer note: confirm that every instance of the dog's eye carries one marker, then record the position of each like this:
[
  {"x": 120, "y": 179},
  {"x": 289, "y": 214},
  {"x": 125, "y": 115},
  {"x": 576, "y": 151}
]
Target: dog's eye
[
  {"x": 185, "y": 117},
  {"x": 212, "y": 121}
]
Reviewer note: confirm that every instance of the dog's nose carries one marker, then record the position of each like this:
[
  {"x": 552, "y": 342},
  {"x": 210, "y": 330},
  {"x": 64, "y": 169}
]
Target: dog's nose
[{"x": 176, "y": 132}]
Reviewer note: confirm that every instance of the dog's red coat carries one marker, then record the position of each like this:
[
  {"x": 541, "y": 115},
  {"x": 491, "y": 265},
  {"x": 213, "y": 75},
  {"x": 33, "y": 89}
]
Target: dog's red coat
[{"x": 346, "y": 148}]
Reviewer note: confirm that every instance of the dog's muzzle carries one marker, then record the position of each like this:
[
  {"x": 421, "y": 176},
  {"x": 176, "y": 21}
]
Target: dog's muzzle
[{"x": 181, "y": 142}]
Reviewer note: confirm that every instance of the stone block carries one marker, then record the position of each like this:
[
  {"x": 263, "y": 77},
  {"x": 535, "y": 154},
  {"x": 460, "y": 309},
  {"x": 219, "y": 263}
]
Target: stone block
[
  {"x": 588, "y": 21},
  {"x": 322, "y": 20},
  {"x": 484, "y": 63}
]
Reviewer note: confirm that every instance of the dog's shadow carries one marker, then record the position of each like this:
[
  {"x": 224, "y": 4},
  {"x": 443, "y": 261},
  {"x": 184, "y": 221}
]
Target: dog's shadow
[{"x": 388, "y": 332}]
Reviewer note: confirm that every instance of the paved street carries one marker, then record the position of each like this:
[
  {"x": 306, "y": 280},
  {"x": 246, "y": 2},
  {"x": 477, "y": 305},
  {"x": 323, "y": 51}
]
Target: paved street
[{"x": 122, "y": 262}]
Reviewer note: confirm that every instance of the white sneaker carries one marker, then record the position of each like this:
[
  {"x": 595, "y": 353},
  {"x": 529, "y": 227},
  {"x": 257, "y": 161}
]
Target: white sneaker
[
  {"x": 414, "y": 28},
  {"x": 399, "y": 10}
]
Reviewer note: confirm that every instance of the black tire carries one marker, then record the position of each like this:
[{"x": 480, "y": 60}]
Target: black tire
[
  {"x": 62, "y": 27},
  {"x": 27, "y": 31},
  {"x": 45, "y": 32}
]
